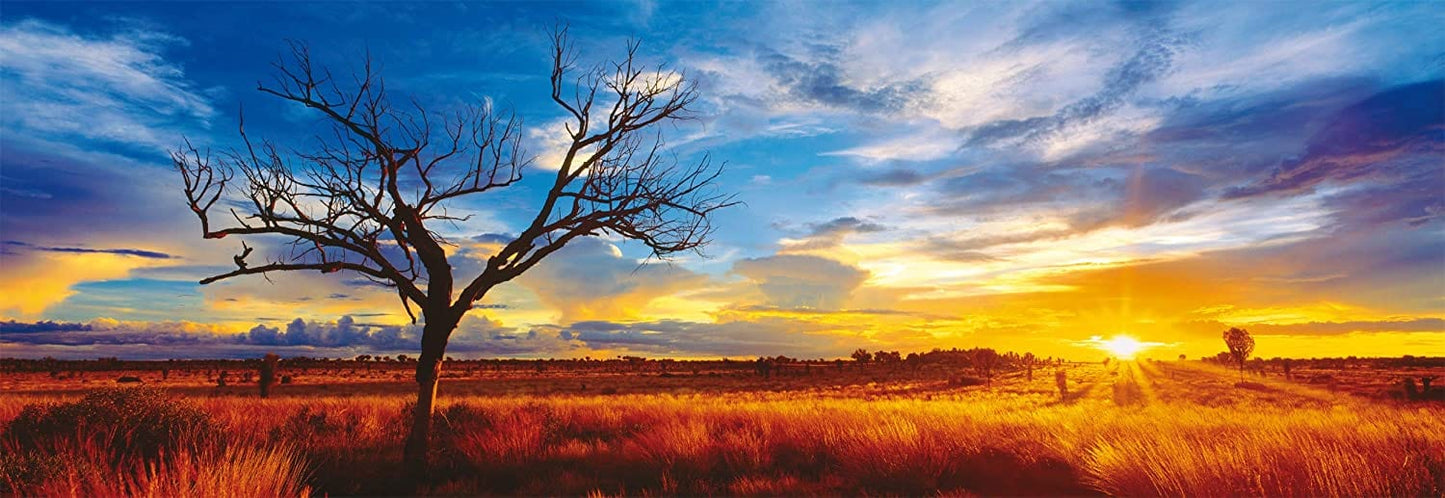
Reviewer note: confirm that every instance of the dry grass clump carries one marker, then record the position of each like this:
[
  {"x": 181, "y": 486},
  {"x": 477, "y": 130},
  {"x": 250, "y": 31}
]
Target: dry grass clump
[
  {"x": 136, "y": 442},
  {"x": 214, "y": 470},
  {"x": 130, "y": 422}
]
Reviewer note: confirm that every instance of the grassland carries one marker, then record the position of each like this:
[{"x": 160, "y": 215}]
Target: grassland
[{"x": 1129, "y": 428}]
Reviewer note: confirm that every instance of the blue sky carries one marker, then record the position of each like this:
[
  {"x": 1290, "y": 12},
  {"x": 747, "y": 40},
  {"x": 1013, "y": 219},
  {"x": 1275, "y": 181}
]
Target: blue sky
[{"x": 915, "y": 175}]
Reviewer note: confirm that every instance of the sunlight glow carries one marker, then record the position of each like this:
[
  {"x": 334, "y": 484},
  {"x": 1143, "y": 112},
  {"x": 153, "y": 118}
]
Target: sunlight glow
[{"x": 1122, "y": 346}]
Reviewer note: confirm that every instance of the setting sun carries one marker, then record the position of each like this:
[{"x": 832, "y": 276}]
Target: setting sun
[{"x": 1122, "y": 346}]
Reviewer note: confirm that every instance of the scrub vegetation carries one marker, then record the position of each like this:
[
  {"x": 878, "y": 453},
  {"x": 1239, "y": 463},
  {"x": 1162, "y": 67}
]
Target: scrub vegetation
[{"x": 1126, "y": 428}]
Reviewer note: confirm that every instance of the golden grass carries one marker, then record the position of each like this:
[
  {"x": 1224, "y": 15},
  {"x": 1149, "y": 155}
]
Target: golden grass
[
  {"x": 1011, "y": 439},
  {"x": 235, "y": 471}
]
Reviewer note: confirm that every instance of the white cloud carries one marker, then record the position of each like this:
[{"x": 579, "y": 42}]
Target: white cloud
[
  {"x": 921, "y": 144},
  {"x": 552, "y": 140},
  {"x": 117, "y": 89}
]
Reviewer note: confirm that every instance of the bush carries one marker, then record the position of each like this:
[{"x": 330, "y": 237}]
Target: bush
[
  {"x": 130, "y": 422},
  {"x": 965, "y": 381},
  {"x": 22, "y": 470}
]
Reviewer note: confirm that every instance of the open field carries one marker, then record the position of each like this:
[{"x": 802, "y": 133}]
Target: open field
[{"x": 1127, "y": 428}]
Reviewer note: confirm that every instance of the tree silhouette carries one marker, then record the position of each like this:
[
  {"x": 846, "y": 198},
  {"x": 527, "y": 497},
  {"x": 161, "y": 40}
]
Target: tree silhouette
[
  {"x": 984, "y": 360},
  {"x": 370, "y": 197},
  {"x": 268, "y": 374},
  {"x": 1028, "y": 361},
  {"x": 1241, "y": 344}
]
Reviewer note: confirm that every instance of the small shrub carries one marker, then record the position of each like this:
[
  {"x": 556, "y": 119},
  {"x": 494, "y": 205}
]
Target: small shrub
[
  {"x": 965, "y": 381},
  {"x": 129, "y": 421}
]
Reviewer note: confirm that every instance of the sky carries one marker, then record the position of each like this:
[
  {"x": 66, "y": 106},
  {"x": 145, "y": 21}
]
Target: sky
[{"x": 1026, "y": 176}]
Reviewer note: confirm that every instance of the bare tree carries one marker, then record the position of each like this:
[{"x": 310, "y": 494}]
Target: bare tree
[
  {"x": 1241, "y": 344},
  {"x": 370, "y": 196}
]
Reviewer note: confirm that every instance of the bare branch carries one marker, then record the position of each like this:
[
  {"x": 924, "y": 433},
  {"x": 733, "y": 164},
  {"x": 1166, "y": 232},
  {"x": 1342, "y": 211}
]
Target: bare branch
[
  {"x": 322, "y": 267},
  {"x": 366, "y": 198},
  {"x": 614, "y": 178}
]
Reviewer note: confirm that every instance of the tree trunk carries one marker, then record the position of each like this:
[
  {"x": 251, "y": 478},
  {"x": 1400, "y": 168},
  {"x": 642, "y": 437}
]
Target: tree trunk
[{"x": 428, "y": 372}]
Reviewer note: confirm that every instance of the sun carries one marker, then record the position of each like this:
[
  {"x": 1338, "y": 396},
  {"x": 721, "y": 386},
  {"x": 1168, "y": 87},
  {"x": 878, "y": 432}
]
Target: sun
[{"x": 1122, "y": 346}]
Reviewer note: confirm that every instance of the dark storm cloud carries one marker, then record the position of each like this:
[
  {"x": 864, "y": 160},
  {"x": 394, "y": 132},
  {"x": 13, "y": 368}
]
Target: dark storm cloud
[
  {"x": 1387, "y": 147},
  {"x": 475, "y": 335},
  {"x": 1152, "y": 60},
  {"x": 1282, "y": 118},
  {"x": 13, "y": 326},
  {"x": 1387, "y": 143},
  {"x": 1008, "y": 187},
  {"x": 1417, "y": 199},
  {"x": 344, "y": 332},
  {"x": 85, "y": 192},
  {"x": 842, "y": 225},
  {"x": 123, "y": 252},
  {"x": 1143, "y": 198},
  {"x": 832, "y": 232},
  {"x": 77, "y": 334},
  {"x": 493, "y": 238},
  {"x": 899, "y": 177},
  {"x": 821, "y": 81},
  {"x": 1374, "y": 138}
]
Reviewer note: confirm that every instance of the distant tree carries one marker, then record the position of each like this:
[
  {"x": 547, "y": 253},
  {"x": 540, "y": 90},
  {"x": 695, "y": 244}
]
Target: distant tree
[
  {"x": 984, "y": 361},
  {"x": 862, "y": 355},
  {"x": 1028, "y": 361},
  {"x": 1222, "y": 358},
  {"x": 764, "y": 366},
  {"x": 1241, "y": 344},
  {"x": 1181, "y": 357},
  {"x": 268, "y": 374},
  {"x": 1061, "y": 379}
]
